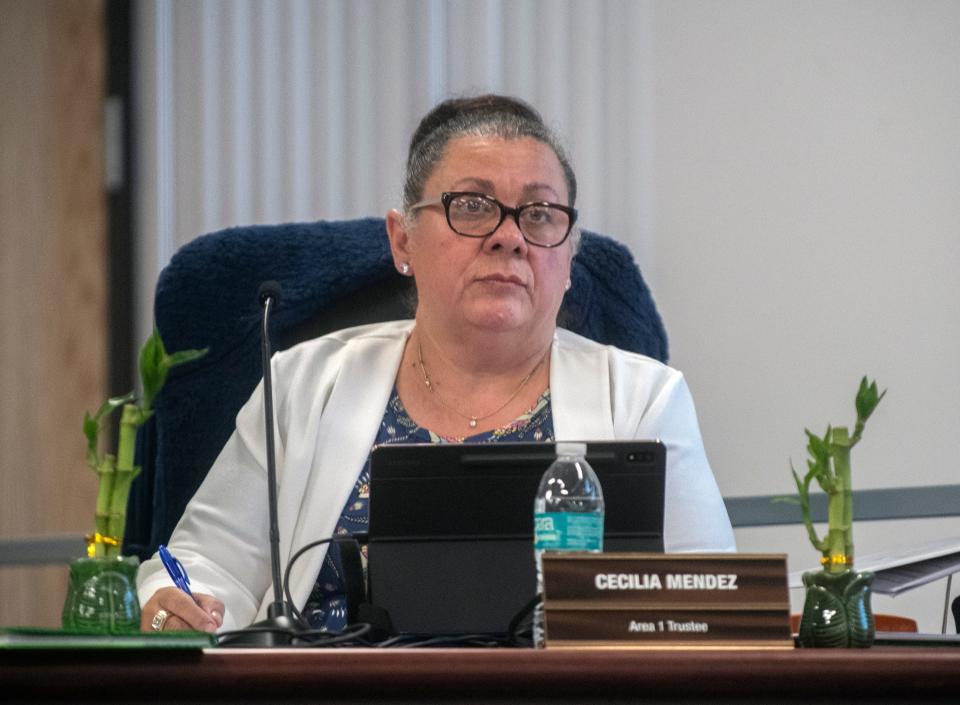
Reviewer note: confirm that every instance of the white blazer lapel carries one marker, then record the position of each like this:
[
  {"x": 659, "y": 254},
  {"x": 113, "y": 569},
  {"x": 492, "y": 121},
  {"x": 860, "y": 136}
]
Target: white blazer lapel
[
  {"x": 360, "y": 393},
  {"x": 580, "y": 390}
]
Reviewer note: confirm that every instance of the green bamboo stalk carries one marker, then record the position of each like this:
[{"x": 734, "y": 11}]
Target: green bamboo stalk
[
  {"x": 840, "y": 446},
  {"x": 116, "y": 473},
  {"x": 803, "y": 491},
  {"x": 106, "y": 471},
  {"x": 836, "y": 536},
  {"x": 130, "y": 419},
  {"x": 829, "y": 464}
]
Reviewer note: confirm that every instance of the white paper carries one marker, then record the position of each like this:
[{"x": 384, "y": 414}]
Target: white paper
[{"x": 905, "y": 568}]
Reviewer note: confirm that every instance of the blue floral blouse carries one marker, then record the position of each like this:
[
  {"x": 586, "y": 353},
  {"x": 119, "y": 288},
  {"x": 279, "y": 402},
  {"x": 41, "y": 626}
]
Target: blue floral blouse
[{"x": 326, "y": 608}]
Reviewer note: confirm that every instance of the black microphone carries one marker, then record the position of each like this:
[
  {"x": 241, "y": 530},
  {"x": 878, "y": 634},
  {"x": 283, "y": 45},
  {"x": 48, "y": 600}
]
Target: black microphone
[
  {"x": 267, "y": 291},
  {"x": 278, "y": 628}
]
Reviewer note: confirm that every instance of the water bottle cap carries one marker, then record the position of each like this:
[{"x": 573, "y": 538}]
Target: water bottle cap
[{"x": 578, "y": 449}]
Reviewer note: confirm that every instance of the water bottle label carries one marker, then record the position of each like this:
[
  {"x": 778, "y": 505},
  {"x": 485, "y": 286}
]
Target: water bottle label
[{"x": 568, "y": 531}]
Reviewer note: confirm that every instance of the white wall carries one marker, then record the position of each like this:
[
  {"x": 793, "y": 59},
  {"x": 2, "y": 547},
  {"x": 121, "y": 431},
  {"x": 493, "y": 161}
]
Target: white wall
[
  {"x": 807, "y": 224},
  {"x": 808, "y": 227},
  {"x": 788, "y": 174}
]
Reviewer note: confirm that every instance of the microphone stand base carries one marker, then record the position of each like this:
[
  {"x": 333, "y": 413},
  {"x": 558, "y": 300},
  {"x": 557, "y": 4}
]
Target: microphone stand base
[{"x": 273, "y": 632}]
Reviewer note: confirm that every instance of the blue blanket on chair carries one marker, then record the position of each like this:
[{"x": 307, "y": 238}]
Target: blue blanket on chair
[{"x": 206, "y": 297}]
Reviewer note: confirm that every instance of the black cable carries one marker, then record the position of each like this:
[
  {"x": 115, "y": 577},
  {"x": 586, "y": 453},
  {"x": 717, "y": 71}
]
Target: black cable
[
  {"x": 479, "y": 640},
  {"x": 353, "y": 633},
  {"x": 304, "y": 636},
  {"x": 526, "y": 612},
  {"x": 256, "y": 630},
  {"x": 293, "y": 559},
  {"x": 517, "y": 634}
]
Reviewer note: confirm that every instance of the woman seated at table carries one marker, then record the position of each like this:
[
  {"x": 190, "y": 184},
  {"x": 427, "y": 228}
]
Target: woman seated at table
[{"x": 487, "y": 230}]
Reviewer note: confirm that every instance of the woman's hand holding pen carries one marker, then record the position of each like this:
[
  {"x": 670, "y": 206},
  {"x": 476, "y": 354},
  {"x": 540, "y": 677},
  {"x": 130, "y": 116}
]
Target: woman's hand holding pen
[
  {"x": 182, "y": 612},
  {"x": 177, "y": 608}
]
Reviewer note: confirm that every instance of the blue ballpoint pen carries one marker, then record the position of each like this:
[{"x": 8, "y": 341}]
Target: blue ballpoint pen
[{"x": 176, "y": 571}]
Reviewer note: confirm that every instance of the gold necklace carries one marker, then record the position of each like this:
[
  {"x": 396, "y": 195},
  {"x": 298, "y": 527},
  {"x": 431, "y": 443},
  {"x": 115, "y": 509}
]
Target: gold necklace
[{"x": 471, "y": 419}]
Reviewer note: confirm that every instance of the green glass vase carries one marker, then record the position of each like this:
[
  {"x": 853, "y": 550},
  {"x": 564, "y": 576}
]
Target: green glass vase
[
  {"x": 102, "y": 596},
  {"x": 837, "y": 610}
]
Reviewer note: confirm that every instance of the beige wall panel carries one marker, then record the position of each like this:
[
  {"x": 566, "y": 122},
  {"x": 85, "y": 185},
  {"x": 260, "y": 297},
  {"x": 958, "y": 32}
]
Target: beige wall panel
[{"x": 52, "y": 282}]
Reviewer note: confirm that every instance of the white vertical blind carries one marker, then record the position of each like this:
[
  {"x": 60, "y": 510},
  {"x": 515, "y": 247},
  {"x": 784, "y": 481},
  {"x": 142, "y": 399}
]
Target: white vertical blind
[{"x": 265, "y": 111}]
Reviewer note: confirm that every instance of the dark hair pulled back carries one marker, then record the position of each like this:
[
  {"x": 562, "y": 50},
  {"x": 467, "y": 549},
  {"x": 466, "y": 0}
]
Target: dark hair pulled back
[{"x": 479, "y": 116}]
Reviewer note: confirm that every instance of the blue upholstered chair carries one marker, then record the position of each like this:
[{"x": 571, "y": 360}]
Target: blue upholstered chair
[{"x": 333, "y": 275}]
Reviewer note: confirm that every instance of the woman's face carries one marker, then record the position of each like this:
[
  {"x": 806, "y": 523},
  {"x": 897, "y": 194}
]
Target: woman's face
[{"x": 501, "y": 282}]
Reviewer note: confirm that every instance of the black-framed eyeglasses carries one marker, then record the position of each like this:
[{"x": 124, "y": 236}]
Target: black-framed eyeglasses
[{"x": 474, "y": 214}]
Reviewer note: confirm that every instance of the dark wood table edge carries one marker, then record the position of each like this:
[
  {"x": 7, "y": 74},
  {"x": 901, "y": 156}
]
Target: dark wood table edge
[{"x": 560, "y": 674}]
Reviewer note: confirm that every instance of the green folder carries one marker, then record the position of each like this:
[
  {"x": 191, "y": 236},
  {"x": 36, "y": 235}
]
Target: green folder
[{"x": 36, "y": 638}]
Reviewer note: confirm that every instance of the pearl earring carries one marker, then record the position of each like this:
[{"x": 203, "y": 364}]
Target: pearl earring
[
  {"x": 566, "y": 287},
  {"x": 405, "y": 269}
]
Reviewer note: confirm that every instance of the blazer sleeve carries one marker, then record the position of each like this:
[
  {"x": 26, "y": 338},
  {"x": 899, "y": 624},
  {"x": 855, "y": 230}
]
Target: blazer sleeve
[
  {"x": 695, "y": 517},
  {"x": 222, "y": 538}
]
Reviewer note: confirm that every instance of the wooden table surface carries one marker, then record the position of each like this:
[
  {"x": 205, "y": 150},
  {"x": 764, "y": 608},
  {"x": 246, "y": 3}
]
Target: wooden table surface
[{"x": 880, "y": 674}]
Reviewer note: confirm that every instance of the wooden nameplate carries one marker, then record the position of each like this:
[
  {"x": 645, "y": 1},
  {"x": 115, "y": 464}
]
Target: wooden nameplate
[{"x": 655, "y": 600}]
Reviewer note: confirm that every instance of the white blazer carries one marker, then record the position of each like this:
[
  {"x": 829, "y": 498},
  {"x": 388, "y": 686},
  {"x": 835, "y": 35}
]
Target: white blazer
[{"x": 331, "y": 393}]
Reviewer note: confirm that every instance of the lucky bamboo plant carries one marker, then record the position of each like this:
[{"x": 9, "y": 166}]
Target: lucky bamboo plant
[
  {"x": 829, "y": 464},
  {"x": 116, "y": 472}
]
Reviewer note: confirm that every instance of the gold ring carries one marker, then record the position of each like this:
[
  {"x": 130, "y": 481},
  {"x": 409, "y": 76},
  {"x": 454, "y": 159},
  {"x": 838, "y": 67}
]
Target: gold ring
[{"x": 159, "y": 619}]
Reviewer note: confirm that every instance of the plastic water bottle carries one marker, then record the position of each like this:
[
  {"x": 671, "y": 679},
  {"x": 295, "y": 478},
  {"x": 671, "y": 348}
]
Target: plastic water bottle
[{"x": 568, "y": 514}]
